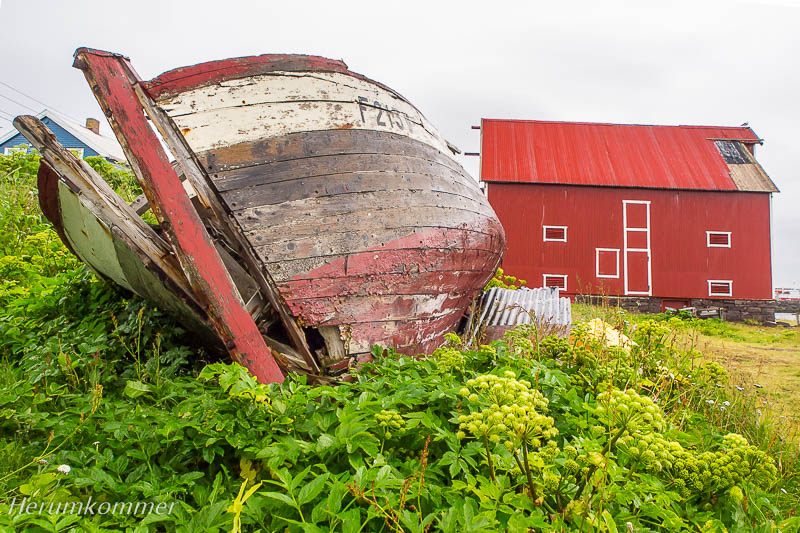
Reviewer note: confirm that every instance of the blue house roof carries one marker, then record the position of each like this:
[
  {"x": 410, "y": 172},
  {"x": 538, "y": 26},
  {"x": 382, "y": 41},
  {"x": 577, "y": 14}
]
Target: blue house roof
[{"x": 69, "y": 134}]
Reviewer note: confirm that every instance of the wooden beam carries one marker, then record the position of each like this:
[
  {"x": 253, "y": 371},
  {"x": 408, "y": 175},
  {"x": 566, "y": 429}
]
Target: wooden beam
[
  {"x": 196, "y": 175},
  {"x": 108, "y": 77}
]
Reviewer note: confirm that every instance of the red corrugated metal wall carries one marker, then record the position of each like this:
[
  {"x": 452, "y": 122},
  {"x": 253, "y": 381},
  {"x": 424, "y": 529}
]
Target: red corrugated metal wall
[{"x": 681, "y": 262}]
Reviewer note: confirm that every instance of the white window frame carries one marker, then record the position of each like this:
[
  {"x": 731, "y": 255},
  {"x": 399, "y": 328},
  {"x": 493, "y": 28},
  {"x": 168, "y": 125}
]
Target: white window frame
[
  {"x": 730, "y": 287},
  {"x": 708, "y": 239},
  {"x": 646, "y": 230},
  {"x": 544, "y": 233},
  {"x": 8, "y": 150},
  {"x": 563, "y": 276},
  {"x": 597, "y": 262}
]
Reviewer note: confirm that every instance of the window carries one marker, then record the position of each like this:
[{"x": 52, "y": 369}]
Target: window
[
  {"x": 732, "y": 152},
  {"x": 606, "y": 262},
  {"x": 14, "y": 149},
  {"x": 554, "y": 233},
  {"x": 558, "y": 281},
  {"x": 720, "y": 287},
  {"x": 718, "y": 239}
]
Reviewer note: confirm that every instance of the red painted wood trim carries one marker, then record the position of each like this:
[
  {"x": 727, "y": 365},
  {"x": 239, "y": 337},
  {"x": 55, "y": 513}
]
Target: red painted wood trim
[
  {"x": 111, "y": 78},
  {"x": 183, "y": 79}
]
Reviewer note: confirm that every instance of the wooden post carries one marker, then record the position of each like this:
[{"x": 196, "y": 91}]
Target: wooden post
[{"x": 108, "y": 77}]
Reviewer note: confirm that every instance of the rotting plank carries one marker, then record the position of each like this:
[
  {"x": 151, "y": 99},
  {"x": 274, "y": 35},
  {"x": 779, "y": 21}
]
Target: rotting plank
[{"x": 107, "y": 74}]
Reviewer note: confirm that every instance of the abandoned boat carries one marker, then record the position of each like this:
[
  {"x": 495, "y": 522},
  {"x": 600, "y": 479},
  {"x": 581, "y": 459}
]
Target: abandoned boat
[{"x": 326, "y": 208}]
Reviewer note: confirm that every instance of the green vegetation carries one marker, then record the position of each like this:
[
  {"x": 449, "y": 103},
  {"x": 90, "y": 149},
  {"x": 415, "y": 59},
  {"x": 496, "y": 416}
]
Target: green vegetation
[
  {"x": 101, "y": 396},
  {"x": 500, "y": 279}
]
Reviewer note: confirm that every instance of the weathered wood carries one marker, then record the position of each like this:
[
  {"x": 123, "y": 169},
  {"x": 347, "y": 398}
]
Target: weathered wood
[
  {"x": 346, "y": 183},
  {"x": 326, "y": 165},
  {"x": 104, "y": 203},
  {"x": 256, "y": 107},
  {"x": 377, "y": 308},
  {"x": 420, "y": 252},
  {"x": 196, "y": 175},
  {"x": 182, "y": 79},
  {"x": 108, "y": 76},
  {"x": 432, "y": 282},
  {"x": 304, "y": 144},
  {"x": 360, "y": 210},
  {"x": 334, "y": 244}
]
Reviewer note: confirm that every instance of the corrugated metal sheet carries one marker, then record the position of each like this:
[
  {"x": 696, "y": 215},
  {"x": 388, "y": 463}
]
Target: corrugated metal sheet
[
  {"x": 618, "y": 155},
  {"x": 506, "y": 307}
]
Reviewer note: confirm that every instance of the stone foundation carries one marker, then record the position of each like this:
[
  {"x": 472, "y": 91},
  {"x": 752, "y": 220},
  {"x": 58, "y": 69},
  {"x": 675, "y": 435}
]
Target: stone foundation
[
  {"x": 734, "y": 310},
  {"x": 741, "y": 310}
]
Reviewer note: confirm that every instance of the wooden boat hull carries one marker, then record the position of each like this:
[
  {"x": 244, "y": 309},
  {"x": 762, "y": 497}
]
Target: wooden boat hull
[{"x": 348, "y": 195}]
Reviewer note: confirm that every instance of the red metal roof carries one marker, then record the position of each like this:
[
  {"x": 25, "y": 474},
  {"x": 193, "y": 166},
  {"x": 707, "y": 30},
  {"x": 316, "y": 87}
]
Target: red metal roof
[{"x": 620, "y": 155}]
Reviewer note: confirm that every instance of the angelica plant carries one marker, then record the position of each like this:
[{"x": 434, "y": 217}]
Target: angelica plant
[
  {"x": 511, "y": 413},
  {"x": 389, "y": 423}
]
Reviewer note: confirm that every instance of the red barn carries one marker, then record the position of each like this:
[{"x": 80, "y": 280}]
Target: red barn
[{"x": 653, "y": 216}]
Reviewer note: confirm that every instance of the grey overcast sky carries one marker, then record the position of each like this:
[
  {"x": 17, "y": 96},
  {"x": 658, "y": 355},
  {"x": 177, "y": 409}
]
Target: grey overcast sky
[{"x": 700, "y": 62}]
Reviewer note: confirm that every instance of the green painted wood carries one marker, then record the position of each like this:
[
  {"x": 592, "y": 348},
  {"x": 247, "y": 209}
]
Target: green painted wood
[
  {"x": 89, "y": 237},
  {"x": 110, "y": 257}
]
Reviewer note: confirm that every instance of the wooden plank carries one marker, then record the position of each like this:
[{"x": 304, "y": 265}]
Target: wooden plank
[
  {"x": 334, "y": 245},
  {"x": 186, "y": 78},
  {"x": 431, "y": 282},
  {"x": 377, "y": 308},
  {"x": 357, "y": 235},
  {"x": 201, "y": 183},
  {"x": 417, "y": 251},
  {"x": 326, "y": 165},
  {"x": 358, "y": 210},
  {"x": 409, "y": 337},
  {"x": 347, "y": 183},
  {"x": 108, "y": 76},
  {"x": 228, "y": 126},
  {"x": 280, "y": 87},
  {"x": 306, "y": 144}
]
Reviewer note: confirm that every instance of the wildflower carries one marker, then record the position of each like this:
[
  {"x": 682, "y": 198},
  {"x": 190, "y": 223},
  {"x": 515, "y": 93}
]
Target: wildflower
[
  {"x": 64, "y": 469},
  {"x": 42, "y": 461},
  {"x": 739, "y": 388},
  {"x": 756, "y": 385},
  {"x": 726, "y": 403},
  {"x": 710, "y": 402}
]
